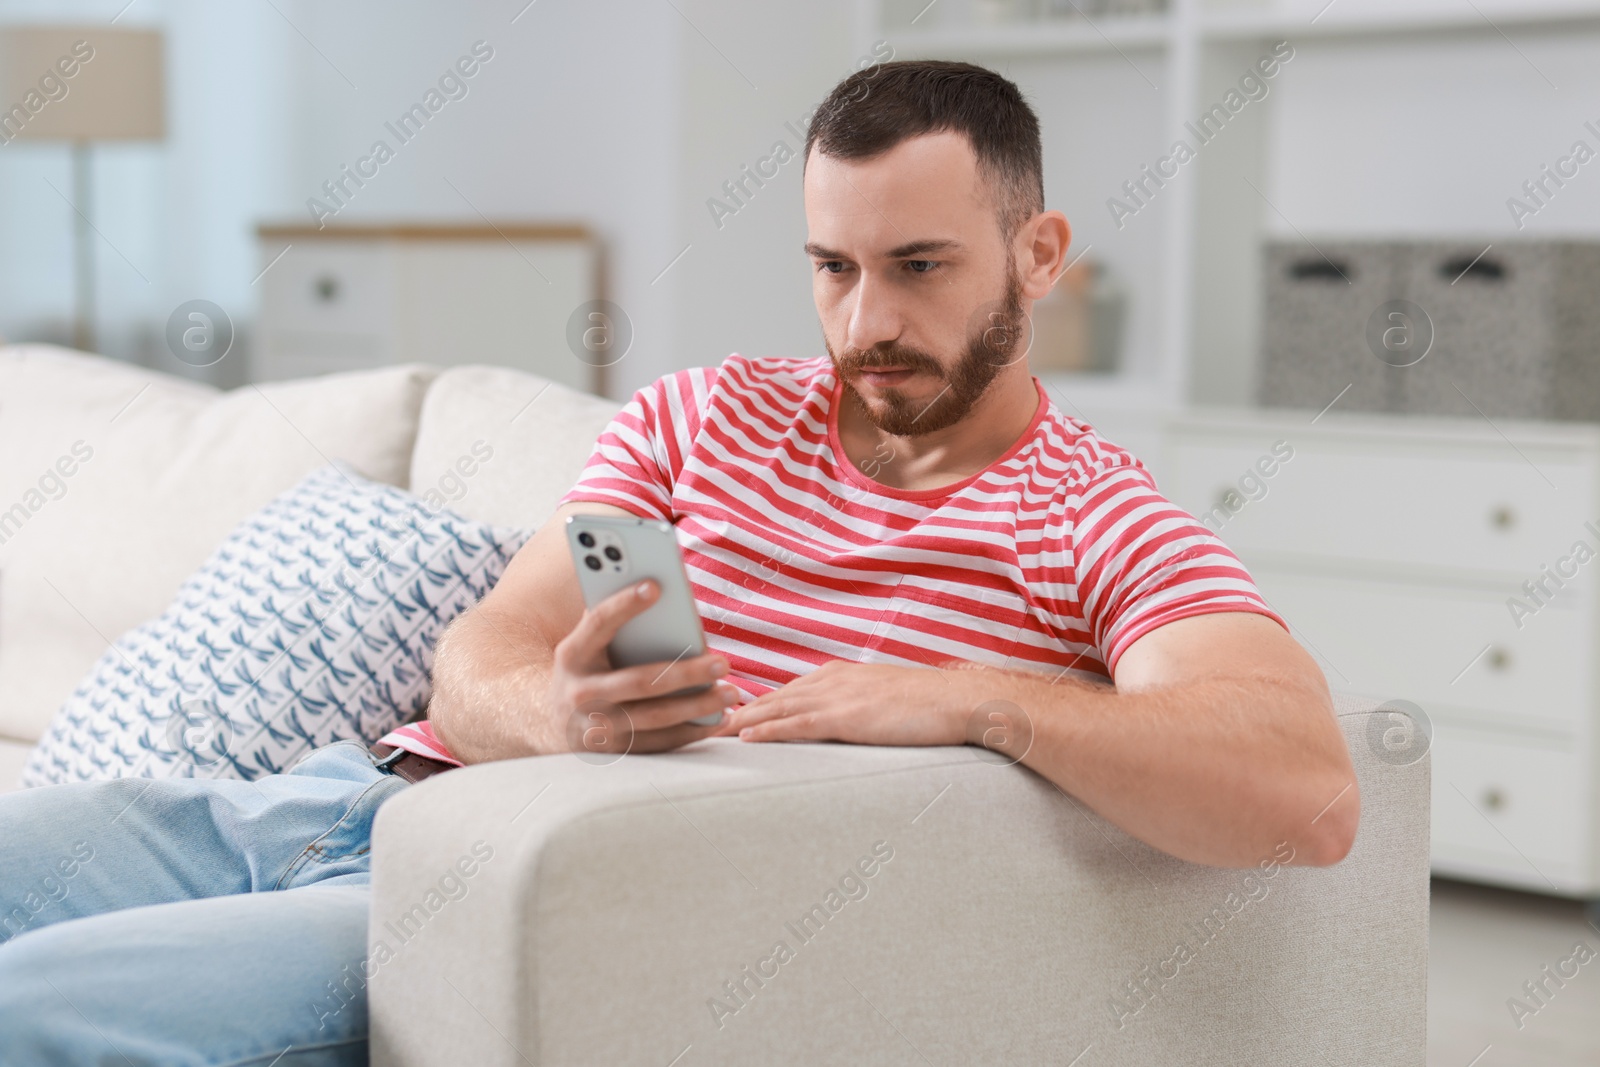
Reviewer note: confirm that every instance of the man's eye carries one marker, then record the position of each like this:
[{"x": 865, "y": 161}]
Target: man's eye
[
  {"x": 921, "y": 266},
  {"x": 830, "y": 266}
]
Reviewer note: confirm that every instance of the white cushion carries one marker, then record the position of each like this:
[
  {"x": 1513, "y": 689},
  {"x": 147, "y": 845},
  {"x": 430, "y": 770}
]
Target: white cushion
[
  {"x": 171, "y": 467},
  {"x": 502, "y": 446},
  {"x": 313, "y": 622}
]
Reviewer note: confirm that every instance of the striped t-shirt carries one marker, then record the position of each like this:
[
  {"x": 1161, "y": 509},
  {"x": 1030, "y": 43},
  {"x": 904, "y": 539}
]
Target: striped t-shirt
[{"x": 1055, "y": 558}]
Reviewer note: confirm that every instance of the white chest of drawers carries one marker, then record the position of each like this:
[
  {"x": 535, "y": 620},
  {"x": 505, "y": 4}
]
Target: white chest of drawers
[
  {"x": 1451, "y": 563},
  {"x": 355, "y": 296}
]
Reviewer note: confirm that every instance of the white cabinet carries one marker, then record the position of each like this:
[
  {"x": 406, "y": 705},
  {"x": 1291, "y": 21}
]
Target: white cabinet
[
  {"x": 352, "y": 297},
  {"x": 1436, "y": 561}
]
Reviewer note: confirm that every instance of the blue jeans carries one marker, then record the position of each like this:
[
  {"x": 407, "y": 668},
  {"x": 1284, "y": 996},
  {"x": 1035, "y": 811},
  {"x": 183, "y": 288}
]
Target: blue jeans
[{"x": 190, "y": 921}]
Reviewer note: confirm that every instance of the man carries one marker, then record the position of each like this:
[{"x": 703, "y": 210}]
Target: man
[
  {"x": 991, "y": 529},
  {"x": 886, "y": 545}
]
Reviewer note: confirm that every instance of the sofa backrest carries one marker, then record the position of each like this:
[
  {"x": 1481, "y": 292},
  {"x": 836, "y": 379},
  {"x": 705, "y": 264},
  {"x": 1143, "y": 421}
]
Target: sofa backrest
[
  {"x": 502, "y": 446},
  {"x": 117, "y": 482}
]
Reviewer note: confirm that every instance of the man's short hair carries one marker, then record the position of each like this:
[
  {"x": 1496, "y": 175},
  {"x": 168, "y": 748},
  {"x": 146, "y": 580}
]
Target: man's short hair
[{"x": 878, "y": 107}]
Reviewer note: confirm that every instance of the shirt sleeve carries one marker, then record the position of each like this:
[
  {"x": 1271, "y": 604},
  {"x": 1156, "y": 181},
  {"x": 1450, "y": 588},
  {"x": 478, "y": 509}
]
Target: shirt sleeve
[
  {"x": 1142, "y": 562},
  {"x": 636, "y": 462},
  {"x": 419, "y": 737}
]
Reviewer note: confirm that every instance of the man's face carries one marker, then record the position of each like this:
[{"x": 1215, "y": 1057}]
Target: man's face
[{"x": 920, "y": 302}]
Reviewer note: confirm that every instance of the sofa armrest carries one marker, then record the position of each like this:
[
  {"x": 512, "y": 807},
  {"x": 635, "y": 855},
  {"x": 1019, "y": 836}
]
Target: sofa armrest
[{"x": 798, "y": 904}]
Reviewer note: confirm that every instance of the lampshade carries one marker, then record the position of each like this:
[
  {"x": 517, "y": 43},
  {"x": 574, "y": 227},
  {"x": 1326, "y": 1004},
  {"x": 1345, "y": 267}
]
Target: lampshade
[{"x": 81, "y": 83}]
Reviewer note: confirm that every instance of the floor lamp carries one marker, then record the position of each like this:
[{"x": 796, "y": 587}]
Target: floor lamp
[{"x": 81, "y": 84}]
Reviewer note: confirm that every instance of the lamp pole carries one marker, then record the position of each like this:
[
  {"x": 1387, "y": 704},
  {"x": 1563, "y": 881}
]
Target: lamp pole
[{"x": 83, "y": 253}]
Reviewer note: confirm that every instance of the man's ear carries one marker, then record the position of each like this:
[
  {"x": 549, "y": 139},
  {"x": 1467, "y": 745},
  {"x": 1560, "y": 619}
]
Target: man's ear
[{"x": 1042, "y": 252}]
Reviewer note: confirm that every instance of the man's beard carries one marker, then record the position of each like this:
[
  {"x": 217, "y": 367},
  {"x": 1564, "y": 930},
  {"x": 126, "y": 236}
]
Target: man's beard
[{"x": 998, "y": 342}]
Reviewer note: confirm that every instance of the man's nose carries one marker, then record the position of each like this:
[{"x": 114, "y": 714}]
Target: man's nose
[{"x": 875, "y": 319}]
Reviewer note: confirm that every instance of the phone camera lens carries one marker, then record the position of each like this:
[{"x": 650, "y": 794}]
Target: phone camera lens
[
  {"x": 586, "y": 539},
  {"x": 613, "y": 553},
  {"x": 593, "y": 562}
]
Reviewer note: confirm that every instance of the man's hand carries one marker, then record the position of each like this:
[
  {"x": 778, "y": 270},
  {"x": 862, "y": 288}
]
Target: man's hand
[
  {"x": 864, "y": 704},
  {"x": 525, "y": 672},
  {"x": 627, "y": 710}
]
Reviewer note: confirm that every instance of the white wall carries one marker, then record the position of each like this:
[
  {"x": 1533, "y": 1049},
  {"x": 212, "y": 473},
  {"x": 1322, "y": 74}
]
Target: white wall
[
  {"x": 749, "y": 83},
  {"x": 575, "y": 117},
  {"x": 1404, "y": 137}
]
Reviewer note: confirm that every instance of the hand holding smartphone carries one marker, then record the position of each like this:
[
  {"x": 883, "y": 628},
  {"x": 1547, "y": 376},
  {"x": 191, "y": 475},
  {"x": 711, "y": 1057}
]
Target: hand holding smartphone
[{"x": 612, "y": 553}]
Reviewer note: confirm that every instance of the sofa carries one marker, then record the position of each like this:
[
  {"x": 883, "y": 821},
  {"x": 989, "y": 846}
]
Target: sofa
[{"x": 726, "y": 903}]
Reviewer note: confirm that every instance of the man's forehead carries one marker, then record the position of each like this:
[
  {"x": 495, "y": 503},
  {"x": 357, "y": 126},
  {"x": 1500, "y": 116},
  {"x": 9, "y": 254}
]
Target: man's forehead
[{"x": 925, "y": 189}]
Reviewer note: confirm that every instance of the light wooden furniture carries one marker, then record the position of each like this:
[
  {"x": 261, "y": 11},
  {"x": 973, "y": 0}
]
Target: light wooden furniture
[
  {"x": 355, "y": 296},
  {"x": 1437, "y": 561}
]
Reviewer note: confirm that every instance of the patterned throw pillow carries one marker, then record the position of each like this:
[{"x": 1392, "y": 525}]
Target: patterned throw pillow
[{"x": 314, "y": 621}]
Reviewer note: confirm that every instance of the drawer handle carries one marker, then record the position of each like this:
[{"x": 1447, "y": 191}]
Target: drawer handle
[
  {"x": 1502, "y": 518},
  {"x": 1498, "y": 658},
  {"x": 1495, "y": 799},
  {"x": 1475, "y": 269},
  {"x": 326, "y": 288},
  {"x": 1320, "y": 270}
]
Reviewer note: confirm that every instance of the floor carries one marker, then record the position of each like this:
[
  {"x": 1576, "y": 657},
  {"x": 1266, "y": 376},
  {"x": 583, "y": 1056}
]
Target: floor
[{"x": 1485, "y": 944}]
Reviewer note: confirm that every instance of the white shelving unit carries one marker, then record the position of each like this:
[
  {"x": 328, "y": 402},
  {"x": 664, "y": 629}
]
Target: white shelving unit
[{"x": 1115, "y": 92}]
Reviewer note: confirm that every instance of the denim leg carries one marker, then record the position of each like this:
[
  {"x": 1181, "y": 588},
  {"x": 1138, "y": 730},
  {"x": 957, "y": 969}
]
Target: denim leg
[
  {"x": 209, "y": 920},
  {"x": 231, "y": 980},
  {"x": 70, "y": 851}
]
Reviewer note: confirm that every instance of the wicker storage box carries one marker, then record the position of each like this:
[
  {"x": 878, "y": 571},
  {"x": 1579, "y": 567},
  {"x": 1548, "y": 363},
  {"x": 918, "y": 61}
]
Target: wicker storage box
[
  {"x": 1316, "y": 307},
  {"x": 1510, "y": 331}
]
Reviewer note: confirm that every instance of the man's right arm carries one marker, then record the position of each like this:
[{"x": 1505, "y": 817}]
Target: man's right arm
[{"x": 511, "y": 675}]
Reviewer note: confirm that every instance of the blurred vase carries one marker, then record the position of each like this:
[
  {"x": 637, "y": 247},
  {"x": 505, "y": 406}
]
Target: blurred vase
[{"x": 1077, "y": 327}]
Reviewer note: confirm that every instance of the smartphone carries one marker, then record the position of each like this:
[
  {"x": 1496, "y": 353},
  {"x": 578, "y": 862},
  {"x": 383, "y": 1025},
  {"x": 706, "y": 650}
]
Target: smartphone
[{"x": 613, "y": 552}]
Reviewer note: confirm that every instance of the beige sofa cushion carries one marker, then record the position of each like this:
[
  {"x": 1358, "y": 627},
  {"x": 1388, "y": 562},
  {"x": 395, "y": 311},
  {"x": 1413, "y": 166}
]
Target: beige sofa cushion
[
  {"x": 161, "y": 469},
  {"x": 501, "y": 446}
]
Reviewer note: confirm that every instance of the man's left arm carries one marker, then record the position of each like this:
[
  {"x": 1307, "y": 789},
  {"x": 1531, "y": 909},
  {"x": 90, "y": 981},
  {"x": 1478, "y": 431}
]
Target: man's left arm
[{"x": 1218, "y": 743}]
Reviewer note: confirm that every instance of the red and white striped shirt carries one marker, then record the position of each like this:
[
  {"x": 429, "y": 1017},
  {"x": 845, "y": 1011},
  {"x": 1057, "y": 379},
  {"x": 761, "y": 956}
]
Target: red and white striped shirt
[{"x": 1055, "y": 558}]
